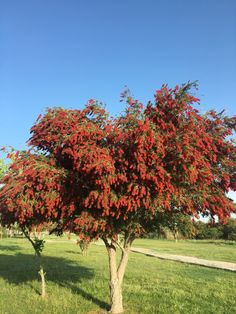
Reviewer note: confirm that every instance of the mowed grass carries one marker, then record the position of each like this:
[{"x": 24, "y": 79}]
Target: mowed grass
[
  {"x": 207, "y": 249},
  {"x": 77, "y": 284}
]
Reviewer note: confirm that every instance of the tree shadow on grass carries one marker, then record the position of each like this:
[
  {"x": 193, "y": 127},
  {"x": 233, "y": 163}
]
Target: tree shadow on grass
[
  {"x": 9, "y": 248},
  {"x": 77, "y": 252},
  {"x": 77, "y": 290},
  {"x": 23, "y": 268}
]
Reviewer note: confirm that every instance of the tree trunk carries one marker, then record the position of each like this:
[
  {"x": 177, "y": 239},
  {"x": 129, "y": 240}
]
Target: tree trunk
[
  {"x": 175, "y": 235},
  {"x": 38, "y": 256},
  {"x": 116, "y": 276},
  {"x": 41, "y": 273},
  {"x": 115, "y": 285},
  {"x": 43, "y": 282}
]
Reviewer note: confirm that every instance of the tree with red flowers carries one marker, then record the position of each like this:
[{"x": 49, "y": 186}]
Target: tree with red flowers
[
  {"x": 109, "y": 178},
  {"x": 29, "y": 197}
]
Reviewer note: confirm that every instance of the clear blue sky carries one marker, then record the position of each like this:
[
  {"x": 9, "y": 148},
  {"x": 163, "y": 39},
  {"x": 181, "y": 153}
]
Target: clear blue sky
[{"x": 62, "y": 53}]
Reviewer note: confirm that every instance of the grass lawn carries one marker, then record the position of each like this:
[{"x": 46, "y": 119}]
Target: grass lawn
[
  {"x": 212, "y": 250},
  {"x": 77, "y": 284}
]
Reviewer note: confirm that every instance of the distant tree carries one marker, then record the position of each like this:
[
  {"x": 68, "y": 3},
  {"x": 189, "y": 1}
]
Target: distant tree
[
  {"x": 102, "y": 177},
  {"x": 180, "y": 225},
  {"x": 173, "y": 224},
  {"x": 84, "y": 245},
  {"x": 229, "y": 230},
  {"x": 208, "y": 230}
]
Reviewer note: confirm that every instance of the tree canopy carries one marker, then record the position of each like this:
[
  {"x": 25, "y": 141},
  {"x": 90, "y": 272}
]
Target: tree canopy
[{"x": 101, "y": 177}]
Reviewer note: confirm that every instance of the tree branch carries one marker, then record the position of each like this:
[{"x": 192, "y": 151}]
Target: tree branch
[
  {"x": 26, "y": 234},
  {"x": 118, "y": 244},
  {"x": 105, "y": 241}
]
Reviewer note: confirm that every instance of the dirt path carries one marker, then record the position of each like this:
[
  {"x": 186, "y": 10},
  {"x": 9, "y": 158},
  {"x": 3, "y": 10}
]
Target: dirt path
[
  {"x": 187, "y": 259},
  {"x": 172, "y": 257}
]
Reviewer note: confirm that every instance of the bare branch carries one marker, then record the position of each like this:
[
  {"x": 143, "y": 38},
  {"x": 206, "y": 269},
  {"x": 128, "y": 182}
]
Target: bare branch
[
  {"x": 104, "y": 239},
  {"x": 118, "y": 244}
]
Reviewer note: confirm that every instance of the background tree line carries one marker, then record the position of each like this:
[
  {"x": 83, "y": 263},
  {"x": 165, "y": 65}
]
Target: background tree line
[{"x": 186, "y": 228}]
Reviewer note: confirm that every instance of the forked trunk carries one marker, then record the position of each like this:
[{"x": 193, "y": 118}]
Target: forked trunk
[
  {"x": 115, "y": 284},
  {"x": 116, "y": 277}
]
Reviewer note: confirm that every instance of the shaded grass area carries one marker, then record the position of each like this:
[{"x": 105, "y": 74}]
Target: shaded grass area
[
  {"x": 212, "y": 250},
  {"x": 77, "y": 284}
]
